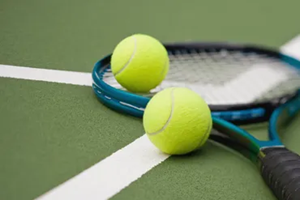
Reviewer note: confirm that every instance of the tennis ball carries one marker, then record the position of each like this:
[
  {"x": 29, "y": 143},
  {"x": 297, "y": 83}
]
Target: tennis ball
[
  {"x": 139, "y": 63},
  {"x": 177, "y": 121}
]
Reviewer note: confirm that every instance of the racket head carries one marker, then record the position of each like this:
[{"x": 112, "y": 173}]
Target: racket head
[{"x": 197, "y": 66}]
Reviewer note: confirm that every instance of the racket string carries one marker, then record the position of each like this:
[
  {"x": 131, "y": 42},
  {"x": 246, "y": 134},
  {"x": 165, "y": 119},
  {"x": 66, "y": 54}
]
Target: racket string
[{"x": 225, "y": 77}]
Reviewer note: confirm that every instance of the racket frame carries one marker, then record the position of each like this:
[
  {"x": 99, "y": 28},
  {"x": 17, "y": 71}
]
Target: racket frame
[{"x": 134, "y": 104}]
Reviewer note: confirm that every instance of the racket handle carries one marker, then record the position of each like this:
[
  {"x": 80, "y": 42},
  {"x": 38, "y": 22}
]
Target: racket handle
[{"x": 280, "y": 168}]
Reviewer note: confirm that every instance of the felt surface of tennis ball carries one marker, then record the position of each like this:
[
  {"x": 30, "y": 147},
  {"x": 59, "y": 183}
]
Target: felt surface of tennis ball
[
  {"x": 177, "y": 121},
  {"x": 139, "y": 63}
]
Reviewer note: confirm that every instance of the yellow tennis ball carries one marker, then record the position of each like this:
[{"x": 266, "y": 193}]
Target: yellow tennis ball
[
  {"x": 177, "y": 121},
  {"x": 140, "y": 63}
]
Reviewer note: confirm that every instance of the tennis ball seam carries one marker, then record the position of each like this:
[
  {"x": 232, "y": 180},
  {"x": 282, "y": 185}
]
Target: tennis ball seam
[
  {"x": 170, "y": 117},
  {"x": 130, "y": 59}
]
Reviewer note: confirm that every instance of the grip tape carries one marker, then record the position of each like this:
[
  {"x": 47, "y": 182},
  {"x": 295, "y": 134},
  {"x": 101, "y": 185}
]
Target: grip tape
[{"x": 280, "y": 168}]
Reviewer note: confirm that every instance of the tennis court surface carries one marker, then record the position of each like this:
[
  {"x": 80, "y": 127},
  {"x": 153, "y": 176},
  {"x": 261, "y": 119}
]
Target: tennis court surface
[{"x": 54, "y": 130}]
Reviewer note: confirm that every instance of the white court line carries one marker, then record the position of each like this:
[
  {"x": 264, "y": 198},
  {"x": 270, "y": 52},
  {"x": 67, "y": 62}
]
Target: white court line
[
  {"x": 112, "y": 174},
  {"x": 292, "y": 48},
  {"x": 117, "y": 171},
  {"x": 48, "y": 75}
]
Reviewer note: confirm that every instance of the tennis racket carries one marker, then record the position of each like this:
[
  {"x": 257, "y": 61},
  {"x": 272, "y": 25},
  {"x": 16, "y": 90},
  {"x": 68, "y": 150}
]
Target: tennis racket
[{"x": 242, "y": 84}]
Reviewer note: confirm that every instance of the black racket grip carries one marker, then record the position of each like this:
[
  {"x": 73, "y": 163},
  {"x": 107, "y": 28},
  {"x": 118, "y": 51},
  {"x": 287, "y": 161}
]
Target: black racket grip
[{"x": 280, "y": 168}]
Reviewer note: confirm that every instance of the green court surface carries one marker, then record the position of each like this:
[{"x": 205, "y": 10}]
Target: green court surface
[{"x": 51, "y": 132}]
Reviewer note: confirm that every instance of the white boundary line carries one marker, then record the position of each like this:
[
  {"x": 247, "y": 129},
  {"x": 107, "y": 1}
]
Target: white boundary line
[
  {"x": 48, "y": 75},
  {"x": 117, "y": 171},
  {"x": 111, "y": 175}
]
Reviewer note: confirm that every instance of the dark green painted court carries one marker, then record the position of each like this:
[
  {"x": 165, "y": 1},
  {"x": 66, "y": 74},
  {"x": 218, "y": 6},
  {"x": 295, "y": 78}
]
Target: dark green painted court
[{"x": 49, "y": 132}]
